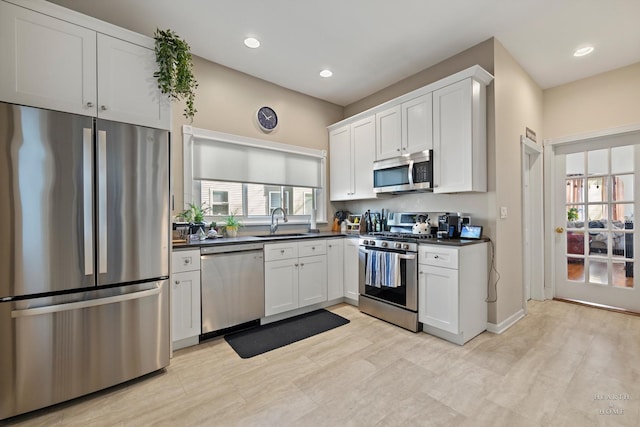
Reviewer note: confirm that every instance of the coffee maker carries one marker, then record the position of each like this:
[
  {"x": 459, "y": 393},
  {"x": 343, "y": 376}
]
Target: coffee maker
[{"x": 451, "y": 223}]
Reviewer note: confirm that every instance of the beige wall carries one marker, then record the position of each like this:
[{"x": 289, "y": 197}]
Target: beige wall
[
  {"x": 227, "y": 100},
  {"x": 480, "y": 54},
  {"x": 518, "y": 105},
  {"x": 608, "y": 100}
]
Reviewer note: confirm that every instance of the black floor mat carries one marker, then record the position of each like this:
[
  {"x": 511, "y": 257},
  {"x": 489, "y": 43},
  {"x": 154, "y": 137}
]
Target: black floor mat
[{"x": 253, "y": 342}]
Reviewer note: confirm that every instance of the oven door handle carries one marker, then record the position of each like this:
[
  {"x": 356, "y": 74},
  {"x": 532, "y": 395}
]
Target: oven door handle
[{"x": 401, "y": 256}]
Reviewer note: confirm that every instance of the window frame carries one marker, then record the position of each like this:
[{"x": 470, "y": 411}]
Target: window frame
[{"x": 192, "y": 191}]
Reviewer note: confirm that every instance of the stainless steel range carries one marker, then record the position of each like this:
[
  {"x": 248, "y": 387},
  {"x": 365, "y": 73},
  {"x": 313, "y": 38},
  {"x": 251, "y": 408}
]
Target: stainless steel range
[{"x": 388, "y": 283}]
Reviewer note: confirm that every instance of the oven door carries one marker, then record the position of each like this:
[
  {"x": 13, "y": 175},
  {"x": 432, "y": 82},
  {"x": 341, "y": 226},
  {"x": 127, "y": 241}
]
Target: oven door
[{"x": 402, "y": 292}]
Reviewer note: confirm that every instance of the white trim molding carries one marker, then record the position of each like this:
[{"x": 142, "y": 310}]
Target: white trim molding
[{"x": 506, "y": 323}]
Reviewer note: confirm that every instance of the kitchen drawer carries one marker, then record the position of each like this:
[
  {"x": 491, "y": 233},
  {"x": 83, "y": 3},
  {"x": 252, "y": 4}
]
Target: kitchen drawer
[
  {"x": 185, "y": 261},
  {"x": 278, "y": 251},
  {"x": 438, "y": 256},
  {"x": 313, "y": 247}
]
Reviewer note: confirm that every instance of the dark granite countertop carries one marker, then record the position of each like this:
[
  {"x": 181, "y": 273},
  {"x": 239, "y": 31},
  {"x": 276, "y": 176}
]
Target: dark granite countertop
[{"x": 258, "y": 239}]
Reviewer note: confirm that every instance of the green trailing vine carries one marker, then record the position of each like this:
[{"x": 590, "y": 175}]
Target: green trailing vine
[{"x": 175, "y": 69}]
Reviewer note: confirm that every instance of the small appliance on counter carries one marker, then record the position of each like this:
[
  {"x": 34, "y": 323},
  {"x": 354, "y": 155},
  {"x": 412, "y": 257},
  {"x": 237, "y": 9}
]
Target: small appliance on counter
[{"x": 450, "y": 224}]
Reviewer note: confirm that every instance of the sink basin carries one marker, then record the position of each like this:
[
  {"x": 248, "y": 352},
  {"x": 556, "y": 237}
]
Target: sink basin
[{"x": 284, "y": 235}]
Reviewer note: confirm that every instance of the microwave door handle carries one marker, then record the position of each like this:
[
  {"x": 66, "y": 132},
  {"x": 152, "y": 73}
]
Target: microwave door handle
[{"x": 410, "y": 173}]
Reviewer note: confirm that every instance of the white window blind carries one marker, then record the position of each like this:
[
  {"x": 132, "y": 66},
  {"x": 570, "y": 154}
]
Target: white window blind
[{"x": 224, "y": 157}]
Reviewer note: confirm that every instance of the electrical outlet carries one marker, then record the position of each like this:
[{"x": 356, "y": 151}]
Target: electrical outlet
[{"x": 503, "y": 212}]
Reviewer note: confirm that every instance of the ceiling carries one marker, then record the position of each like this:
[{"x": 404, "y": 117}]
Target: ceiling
[{"x": 370, "y": 44}]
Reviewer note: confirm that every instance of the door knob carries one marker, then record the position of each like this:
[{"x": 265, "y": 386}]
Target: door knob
[{"x": 559, "y": 230}]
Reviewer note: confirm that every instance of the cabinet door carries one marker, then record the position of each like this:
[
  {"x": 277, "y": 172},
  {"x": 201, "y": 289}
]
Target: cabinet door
[
  {"x": 452, "y": 138},
  {"x": 417, "y": 124},
  {"x": 185, "y": 305},
  {"x": 340, "y": 154},
  {"x": 351, "y": 269},
  {"x": 127, "y": 90},
  {"x": 335, "y": 269},
  {"x": 280, "y": 286},
  {"x": 438, "y": 298},
  {"x": 312, "y": 280},
  {"x": 46, "y": 62},
  {"x": 388, "y": 134},
  {"x": 363, "y": 138}
]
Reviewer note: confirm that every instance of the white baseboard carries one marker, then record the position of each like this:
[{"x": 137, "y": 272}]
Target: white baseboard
[{"x": 506, "y": 323}]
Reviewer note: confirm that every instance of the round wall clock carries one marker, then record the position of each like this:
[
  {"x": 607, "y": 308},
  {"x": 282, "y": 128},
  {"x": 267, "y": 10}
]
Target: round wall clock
[{"x": 267, "y": 119}]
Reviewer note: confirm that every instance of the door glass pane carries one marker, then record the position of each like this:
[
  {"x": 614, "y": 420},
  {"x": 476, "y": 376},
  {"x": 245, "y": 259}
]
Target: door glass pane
[
  {"x": 622, "y": 187},
  {"x": 575, "y": 269},
  {"x": 575, "y": 164},
  {"x": 598, "y": 272},
  {"x": 622, "y": 215},
  {"x": 575, "y": 216},
  {"x": 597, "y": 189},
  {"x": 597, "y": 162},
  {"x": 622, "y": 274},
  {"x": 597, "y": 215},
  {"x": 575, "y": 190},
  {"x": 575, "y": 242},
  {"x": 622, "y": 159}
]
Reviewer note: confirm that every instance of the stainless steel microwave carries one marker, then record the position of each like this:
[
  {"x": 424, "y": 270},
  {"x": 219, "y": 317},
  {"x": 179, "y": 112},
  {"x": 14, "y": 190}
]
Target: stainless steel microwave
[{"x": 402, "y": 174}]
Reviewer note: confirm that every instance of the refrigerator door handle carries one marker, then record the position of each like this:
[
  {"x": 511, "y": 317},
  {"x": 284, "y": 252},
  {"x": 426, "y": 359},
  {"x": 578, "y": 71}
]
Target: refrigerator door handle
[
  {"x": 36, "y": 311},
  {"x": 102, "y": 200},
  {"x": 87, "y": 192}
]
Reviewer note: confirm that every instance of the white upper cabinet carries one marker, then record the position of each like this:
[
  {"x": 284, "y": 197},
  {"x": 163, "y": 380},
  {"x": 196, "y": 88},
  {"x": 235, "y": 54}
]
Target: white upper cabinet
[
  {"x": 55, "y": 64},
  {"x": 417, "y": 124},
  {"x": 389, "y": 133},
  {"x": 46, "y": 62},
  {"x": 459, "y": 138},
  {"x": 352, "y": 152},
  {"x": 447, "y": 116},
  {"x": 127, "y": 90},
  {"x": 405, "y": 128}
]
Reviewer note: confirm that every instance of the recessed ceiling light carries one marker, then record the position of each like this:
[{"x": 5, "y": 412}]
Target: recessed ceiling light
[
  {"x": 252, "y": 42},
  {"x": 586, "y": 50},
  {"x": 326, "y": 73}
]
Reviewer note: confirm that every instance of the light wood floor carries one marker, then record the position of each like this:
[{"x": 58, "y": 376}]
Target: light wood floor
[{"x": 562, "y": 365}]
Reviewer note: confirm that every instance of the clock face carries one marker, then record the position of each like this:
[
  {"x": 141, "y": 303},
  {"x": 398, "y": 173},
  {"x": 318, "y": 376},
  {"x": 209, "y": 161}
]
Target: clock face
[{"x": 267, "y": 119}]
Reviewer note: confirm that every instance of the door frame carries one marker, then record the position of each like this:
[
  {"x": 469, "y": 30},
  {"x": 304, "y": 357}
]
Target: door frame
[
  {"x": 549, "y": 180},
  {"x": 533, "y": 221}
]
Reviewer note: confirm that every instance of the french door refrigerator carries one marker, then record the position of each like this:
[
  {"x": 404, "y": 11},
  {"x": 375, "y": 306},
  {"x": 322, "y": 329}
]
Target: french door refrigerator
[{"x": 84, "y": 255}]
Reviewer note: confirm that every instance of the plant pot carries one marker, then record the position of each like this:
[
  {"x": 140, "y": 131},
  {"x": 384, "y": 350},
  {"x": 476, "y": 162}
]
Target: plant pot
[{"x": 231, "y": 231}]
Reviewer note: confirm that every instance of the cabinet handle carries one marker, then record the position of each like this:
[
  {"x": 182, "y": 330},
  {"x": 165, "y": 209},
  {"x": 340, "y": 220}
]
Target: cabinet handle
[
  {"x": 281, "y": 251},
  {"x": 436, "y": 257},
  {"x": 296, "y": 265},
  {"x": 302, "y": 265},
  {"x": 330, "y": 246},
  {"x": 89, "y": 104},
  {"x": 421, "y": 272},
  {"x": 397, "y": 149},
  {"x": 187, "y": 261},
  {"x": 313, "y": 248},
  {"x": 177, "y": 282},
  {"x": 103, "y": 108}
]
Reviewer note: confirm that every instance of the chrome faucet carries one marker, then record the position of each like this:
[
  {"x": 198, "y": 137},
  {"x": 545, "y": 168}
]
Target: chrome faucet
[{"x": 274, "y": 225}]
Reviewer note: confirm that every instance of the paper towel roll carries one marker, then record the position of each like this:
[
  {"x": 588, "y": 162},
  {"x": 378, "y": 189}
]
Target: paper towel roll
[{"x": 313, "y": 219}]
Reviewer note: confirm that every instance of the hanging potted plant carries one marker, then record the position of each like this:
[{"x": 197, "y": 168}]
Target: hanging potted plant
[{"x": 175, "y": 69}]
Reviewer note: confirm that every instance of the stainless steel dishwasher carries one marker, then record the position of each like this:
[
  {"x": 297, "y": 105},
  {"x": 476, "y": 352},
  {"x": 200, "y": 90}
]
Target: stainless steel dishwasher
[{"x": 232, "y": 285}]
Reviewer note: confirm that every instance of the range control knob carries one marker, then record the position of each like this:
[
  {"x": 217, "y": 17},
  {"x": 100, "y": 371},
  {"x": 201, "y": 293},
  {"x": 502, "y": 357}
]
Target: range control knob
[
  {"x": 372, "y": 242},
  {"x": 397, "y": 246},
  {"x": 405, "y": 246},
  {"x": 384, "y": 244},
  {"x": 365, "y": 242}
]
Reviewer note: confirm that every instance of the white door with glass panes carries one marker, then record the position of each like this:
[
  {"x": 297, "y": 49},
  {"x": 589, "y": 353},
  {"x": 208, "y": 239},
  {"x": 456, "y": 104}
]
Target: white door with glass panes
[{"x": 595, "y": 198}]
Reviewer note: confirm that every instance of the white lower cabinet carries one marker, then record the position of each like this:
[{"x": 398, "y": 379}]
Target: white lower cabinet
[
  {"x": 295, "y": 275},
  {"x": 351, "y": 270},
  {"x": 335, "y": 269},
  {"x": 452, "y": 290},
  {"x": 185, "y": 298}
]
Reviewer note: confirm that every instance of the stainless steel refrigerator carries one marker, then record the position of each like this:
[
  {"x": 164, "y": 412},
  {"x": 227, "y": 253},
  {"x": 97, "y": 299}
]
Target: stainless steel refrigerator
[{"x": 84, "y": 255}]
